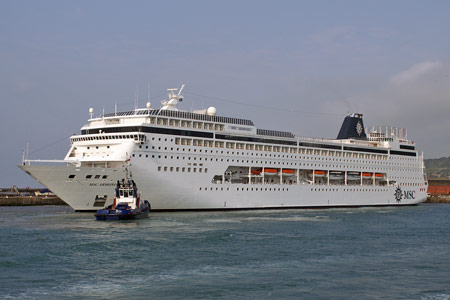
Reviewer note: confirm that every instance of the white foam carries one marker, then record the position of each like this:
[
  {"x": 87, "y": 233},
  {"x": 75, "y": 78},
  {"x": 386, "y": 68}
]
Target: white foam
[
  {"x": 439, "y": 296},
  {"x": 291, "y": 219}
]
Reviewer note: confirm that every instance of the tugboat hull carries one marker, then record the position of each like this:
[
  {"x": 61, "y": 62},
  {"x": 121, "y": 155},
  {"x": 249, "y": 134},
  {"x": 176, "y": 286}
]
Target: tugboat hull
[{"x": 123, "y": 214}]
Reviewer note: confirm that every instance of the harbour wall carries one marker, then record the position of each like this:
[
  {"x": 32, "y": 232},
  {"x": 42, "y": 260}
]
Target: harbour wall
[
  {"x": 30, "y": 200},
  {"x": 14, "y": 196}
]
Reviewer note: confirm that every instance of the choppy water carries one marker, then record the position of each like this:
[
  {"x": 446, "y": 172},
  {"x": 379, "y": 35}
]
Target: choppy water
[{"x": 366, "y": 253}]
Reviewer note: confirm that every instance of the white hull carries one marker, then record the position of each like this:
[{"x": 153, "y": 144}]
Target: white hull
[{"x": 180, "y": 192}]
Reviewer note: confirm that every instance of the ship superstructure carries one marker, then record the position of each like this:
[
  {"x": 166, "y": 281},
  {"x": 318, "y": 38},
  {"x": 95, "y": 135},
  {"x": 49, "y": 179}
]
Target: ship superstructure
[{"x": 198, "y": 160}]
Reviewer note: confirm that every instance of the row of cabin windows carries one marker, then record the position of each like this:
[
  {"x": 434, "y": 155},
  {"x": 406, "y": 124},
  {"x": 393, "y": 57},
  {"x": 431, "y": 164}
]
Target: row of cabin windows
[
  {"x": 217, "y": 189},
  {"x": 418, "y": 169},
  {"x": 270, "y": 155},
  {"x": 410, "y": 183},
  {"x": 186, "y": 124},
  {"x": 263, "y": 189},
  {"x": 182, "y": 169},
  {"x": 270, "y": 148},
  {"x": 72, "y": 176},
  {"x": 96, "y": 147},
  {"x": 265, "y": 162},
  {"x": 136, "y": 137},
  {"x": 346, "y": 154},
  {"x": 245, "y": 189},
  {"x": 348, "y": 190}
]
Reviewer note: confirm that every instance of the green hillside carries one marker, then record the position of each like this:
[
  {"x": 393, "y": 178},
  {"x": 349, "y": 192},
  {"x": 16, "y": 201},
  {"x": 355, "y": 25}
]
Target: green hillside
[{"x": 438, "y": 167}]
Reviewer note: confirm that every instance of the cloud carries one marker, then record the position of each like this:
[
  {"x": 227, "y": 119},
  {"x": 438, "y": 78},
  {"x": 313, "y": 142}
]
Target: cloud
[
  {"x": 416, "y": 99},
  {"x": 416, "y": 72}
]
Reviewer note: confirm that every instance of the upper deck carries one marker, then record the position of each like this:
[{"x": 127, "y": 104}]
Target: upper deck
[{"x": 206, "y": 125}]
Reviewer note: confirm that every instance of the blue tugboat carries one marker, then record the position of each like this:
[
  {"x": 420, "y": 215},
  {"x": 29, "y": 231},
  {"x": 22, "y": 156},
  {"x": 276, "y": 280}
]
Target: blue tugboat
[{"x": 127, "y": 203}]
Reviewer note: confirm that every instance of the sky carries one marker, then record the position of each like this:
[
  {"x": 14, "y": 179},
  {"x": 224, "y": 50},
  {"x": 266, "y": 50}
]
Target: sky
[{"x": 297, "y": 66}]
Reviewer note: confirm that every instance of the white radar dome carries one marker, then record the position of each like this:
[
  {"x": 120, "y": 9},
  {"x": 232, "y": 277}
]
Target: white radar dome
[
  {"x": 91, "y": 110},
  {"x": 148, "y": 105},
  {"x": 211, "y": 111}
]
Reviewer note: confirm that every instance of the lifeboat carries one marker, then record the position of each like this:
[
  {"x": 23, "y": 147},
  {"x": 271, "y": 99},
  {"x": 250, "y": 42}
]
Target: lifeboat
[
  {"x": 366, "y": 175},
  {"x": 319, "y": 173},
  {"x": 256, "y": 172},
  {"x": 270, "y": 171},
  {"x": 379, "y": 175},
  {"x": 288, "y": 172}
]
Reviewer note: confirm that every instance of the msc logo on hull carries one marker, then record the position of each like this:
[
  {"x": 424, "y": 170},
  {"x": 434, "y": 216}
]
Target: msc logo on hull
[{"x": 407, "y": 195}]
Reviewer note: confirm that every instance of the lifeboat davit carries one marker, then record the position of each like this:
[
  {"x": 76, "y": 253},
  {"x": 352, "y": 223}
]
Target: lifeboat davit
[
  {"x": 336, "y": 175},
  {"x": 353, "y": 176},
  {"x": 319, "y": 173},
  {"x": 270, "y": 171}
]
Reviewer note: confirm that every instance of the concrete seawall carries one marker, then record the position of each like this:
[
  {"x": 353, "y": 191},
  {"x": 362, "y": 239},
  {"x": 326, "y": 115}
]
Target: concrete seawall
[
  {"x": 438, "y": 199},
  {"x": 30, "y": 200}
]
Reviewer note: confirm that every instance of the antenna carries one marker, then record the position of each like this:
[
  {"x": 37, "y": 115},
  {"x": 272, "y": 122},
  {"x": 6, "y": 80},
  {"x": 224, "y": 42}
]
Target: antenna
[
  {"x": 136, "y": 98},
  {"x": 181, "y": 89}
]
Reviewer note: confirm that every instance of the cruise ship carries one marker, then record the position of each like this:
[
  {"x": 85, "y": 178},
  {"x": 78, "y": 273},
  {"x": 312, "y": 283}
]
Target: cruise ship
[{"x": 202, "y": 161}]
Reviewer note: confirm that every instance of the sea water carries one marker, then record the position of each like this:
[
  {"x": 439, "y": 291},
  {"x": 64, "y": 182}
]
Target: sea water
[{"x": 359, "y": 253}]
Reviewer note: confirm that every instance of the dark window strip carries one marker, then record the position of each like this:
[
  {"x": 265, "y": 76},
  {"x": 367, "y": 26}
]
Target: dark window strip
[
  {"x": 378, "y": 151},
  {"x": 394, "y": 152},
  {"x": 254, "y": 140},
  {"x": 182, "y": 114},
  {"x": 267, "y": 132},
  {"x": 314, "y": 145},
  {"x": 406, "y": 147},
  {"x": 150, "y": 130}
]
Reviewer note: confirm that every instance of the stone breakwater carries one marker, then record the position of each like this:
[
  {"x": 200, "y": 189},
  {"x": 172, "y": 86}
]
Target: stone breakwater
[
  {"x": 438, "y": 199},
  {"x": 30, "y": 200}
]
